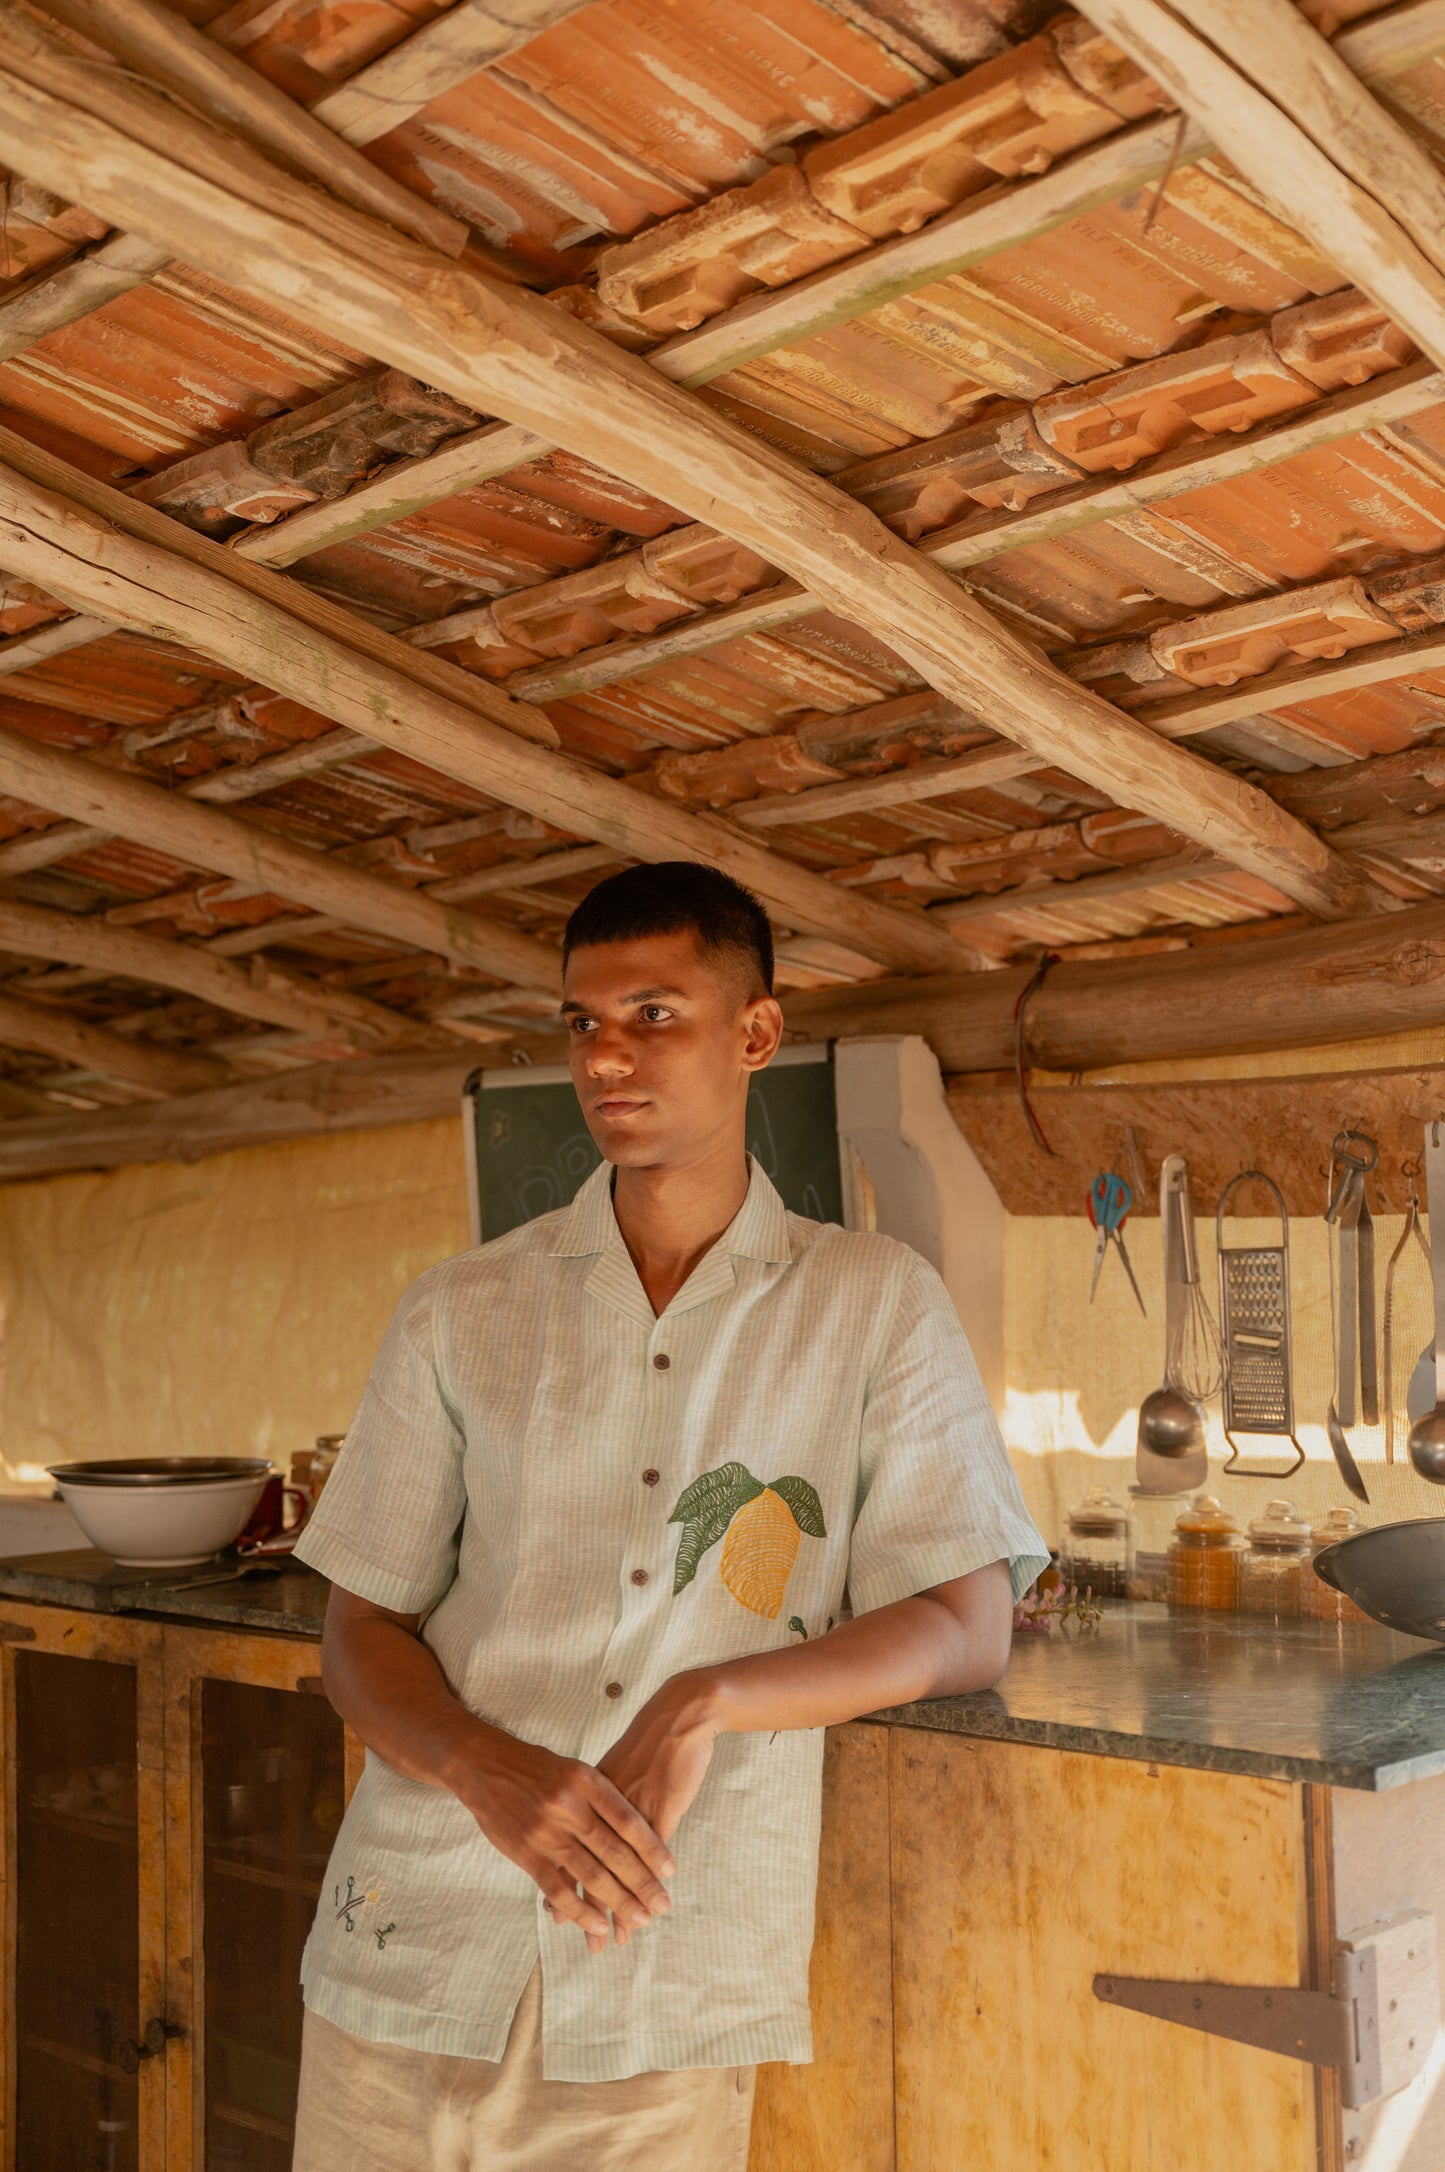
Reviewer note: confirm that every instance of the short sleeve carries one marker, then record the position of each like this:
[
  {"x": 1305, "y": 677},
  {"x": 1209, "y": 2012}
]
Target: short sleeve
[
  {"x": 937, "y": 1497},
  {"x": 387, "y": 1525}
]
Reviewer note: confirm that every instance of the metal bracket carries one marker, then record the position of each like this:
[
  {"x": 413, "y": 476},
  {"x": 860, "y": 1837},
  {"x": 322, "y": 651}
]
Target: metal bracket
[{"x": 1375, "y": 2027}]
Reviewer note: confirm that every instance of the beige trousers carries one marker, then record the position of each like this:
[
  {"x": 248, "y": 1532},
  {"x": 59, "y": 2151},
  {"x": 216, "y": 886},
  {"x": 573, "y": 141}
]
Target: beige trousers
[{"x": 383, "y": 2108}]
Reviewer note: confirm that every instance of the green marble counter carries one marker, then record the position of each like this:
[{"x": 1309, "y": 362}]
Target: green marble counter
[
  {"x": 1344, "y": 1706},
  {"x": 1352, "y": 1706},
  {"x": 283, "y": 1596}
]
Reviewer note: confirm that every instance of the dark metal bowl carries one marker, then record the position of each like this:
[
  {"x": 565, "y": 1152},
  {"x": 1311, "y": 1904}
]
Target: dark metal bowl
[
  {"x": 1394, "y": 1573},
  {"x": 159, "y": 1470}
]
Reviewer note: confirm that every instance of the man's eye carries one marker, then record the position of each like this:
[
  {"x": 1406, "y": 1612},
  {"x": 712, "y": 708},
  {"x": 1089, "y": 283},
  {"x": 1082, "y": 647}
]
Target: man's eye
[
  {"x": 583, "y": 1025},
  {"x": 653, "y": 1011}
]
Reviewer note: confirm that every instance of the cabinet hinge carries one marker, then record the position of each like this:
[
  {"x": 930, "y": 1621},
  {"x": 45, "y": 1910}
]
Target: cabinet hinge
[{"x": 1375, "y": 2026}]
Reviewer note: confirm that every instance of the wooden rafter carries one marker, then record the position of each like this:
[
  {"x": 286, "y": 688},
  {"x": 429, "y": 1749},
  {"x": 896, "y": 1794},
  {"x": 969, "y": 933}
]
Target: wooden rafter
[
  {"x": 471, "y": 36},
  {"x": 1380, "y": 976},
  {"x": 1071, "y": 511},
  {"x": 1284, "y": 56},
  {"x": 87, "y": 547},
  {"x": 204, "y": 837},
  {"x": 1351, "y": 224},
  {"x": 509, "y": 353},
  {"x": 171, "y": 52},
  {"x": 277, "y": 998},
  {"x": 155, "y": 1072}
]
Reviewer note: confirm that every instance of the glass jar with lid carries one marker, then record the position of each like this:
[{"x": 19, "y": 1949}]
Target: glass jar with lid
[
  {"x": 1147, "y": 1541},
  {"x": 1273, "y": 1570},
  {"x": 323, "y": 1461},
  {"x": 1092, "y": 1555},
  {"x": 1204, "y": 1556},
  {"x": 1320, "y": 1601}
]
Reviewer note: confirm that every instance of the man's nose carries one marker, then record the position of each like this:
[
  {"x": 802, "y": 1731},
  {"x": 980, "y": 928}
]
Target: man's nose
[{"x": 609, "y": 1055}]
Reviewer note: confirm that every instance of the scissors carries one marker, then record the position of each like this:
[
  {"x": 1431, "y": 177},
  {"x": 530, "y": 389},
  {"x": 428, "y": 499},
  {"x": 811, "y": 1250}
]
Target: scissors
[{"x": 1109, "y": 1202}]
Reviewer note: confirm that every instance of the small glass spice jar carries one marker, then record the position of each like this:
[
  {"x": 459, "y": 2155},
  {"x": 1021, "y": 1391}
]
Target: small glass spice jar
[
  {"x": 1320, "y": 1601},
  {"x": 1204, "y": 1556},
  {"x": 1092, "y": 1555},
  {"x": 1273, "y": 1571},
  {"x": 1147, "y": 1541},
  {"x": 323, "y": 1461}
]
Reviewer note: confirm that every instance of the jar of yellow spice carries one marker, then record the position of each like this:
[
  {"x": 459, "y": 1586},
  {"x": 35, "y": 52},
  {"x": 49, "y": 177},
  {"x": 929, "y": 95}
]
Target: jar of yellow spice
[{"x": 1204, "y": 1556}]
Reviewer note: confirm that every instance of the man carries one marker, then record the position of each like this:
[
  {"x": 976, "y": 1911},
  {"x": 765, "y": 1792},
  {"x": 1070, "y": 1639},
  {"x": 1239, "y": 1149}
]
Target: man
[{"x": 590, "y": 1537}]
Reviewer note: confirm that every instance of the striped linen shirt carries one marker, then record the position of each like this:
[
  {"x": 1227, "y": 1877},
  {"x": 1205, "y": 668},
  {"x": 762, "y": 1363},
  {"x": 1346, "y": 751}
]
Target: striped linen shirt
[{"x": 584, "y": 1499}]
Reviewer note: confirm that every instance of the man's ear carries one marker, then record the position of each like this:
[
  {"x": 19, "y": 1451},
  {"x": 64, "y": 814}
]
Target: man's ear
[{"x": 763, "y": 1018}]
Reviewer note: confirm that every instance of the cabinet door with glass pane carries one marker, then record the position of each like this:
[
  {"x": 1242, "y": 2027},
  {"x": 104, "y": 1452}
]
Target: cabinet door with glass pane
[
  {"x": 258, "y": 1777},
  {"x": 87, "y": 2035}
]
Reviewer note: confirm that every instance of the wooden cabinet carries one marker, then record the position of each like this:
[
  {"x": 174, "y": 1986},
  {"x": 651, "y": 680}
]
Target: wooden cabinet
[
  {"x": 968, "y": 1893},
  {"x": 170, "y": 1798}
]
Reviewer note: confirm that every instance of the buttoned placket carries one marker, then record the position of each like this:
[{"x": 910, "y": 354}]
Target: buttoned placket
[{"x": 642, "y": 1564}]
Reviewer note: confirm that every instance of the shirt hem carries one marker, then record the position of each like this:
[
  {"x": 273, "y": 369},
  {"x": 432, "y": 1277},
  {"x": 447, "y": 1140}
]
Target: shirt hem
[
  {"x": 462, "y": 2036},
  {"x": 334, "y": 1559}
]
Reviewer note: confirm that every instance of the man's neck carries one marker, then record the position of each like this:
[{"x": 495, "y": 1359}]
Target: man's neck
[{"x": 670, "y": 1218}]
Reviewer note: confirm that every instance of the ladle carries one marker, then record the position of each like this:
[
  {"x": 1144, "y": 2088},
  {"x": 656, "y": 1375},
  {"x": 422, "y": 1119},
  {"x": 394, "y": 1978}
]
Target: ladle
[
  {"x": 1171, "y": 1424},
  {"x": 1427, "y": 1434}
]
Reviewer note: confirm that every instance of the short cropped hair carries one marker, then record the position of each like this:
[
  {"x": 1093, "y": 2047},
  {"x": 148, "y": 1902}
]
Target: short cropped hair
[{"x": 668, "y": 897}]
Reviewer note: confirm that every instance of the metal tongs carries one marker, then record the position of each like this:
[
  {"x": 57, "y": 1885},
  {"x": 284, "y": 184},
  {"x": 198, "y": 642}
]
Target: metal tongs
[{"x": 1354, "y": 1155}]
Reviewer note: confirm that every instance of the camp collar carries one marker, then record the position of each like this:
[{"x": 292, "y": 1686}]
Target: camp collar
[{"x": 759, "y": 1229}]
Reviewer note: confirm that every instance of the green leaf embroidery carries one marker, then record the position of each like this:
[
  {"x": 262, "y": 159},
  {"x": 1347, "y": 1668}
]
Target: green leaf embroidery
[
  {"x": 803, "y": 1501},
  {"x": 704, "y": 1492},
  {"x": 705, "y": 1509}
]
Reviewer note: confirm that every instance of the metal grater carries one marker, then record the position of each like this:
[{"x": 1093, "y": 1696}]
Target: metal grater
[{"x": 1254, "y": 1324}]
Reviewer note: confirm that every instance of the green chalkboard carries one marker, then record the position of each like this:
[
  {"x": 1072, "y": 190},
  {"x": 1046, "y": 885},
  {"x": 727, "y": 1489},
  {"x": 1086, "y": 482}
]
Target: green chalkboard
[{"x": 528, "y": 1149}]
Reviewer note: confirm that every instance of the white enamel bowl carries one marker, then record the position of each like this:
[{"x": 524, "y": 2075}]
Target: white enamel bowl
[{"x": 170, "y": 1521}]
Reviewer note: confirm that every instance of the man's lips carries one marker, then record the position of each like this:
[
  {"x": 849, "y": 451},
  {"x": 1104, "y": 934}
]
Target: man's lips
[{"x": 617, "y": 1104}]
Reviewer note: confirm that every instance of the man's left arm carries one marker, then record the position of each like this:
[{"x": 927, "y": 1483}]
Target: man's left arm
[{"x": 940, "y": 1643}]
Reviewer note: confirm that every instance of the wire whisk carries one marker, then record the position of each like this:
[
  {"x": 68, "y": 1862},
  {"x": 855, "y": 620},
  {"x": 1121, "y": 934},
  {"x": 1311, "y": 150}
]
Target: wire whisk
[{"x": 1194, "y": 1352}]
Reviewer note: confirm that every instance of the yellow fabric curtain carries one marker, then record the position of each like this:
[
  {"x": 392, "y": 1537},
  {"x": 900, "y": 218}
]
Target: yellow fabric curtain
[{"x": 230, "y": 1307}]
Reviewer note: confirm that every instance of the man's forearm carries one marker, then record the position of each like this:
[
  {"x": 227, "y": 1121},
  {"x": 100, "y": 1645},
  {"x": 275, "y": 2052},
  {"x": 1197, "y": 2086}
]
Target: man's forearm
[
  {"x": 386, "y": 1684},
  {"x": 939, "y": 1644},
  {"x": 919, "y": 1647}
]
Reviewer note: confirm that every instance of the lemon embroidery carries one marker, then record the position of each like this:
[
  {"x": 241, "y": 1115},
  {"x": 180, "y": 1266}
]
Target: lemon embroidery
[{"x": 761, "y": 1527}]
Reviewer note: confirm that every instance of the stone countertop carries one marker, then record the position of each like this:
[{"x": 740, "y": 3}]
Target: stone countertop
[
  {"x": 1351, "y": 1706},
  {"x": 283, "y": 1596}
]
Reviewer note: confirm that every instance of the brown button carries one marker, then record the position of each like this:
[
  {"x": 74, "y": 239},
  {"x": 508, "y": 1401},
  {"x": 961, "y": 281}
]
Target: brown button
[
  {"x": 661, "y": 1362},
  {"x": 650, "y": 1478},
  {"x": 614, "y": 1689},
  {"x": 639, "y": 1576}
]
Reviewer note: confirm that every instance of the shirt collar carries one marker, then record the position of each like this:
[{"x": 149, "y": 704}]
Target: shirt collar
[{"x": 759, "y": 1229}]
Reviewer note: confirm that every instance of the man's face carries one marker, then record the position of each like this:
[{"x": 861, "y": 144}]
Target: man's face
[{"x": 663, "y": 1042}]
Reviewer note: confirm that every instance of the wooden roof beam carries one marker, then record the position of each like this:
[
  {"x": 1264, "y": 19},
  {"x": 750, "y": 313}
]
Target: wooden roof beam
[
  {"x": 986, "y": 535},
  {"x": 506, "y": 352},
  {"x": 170, "y": 51},
  {"x": 473, "y": 35},
  {"x": 1380, "y": 976},
  {"x": 278, "y": 999},
  {"x": 87, "y": 547},
  {"x": 1007, "y": 216},
  {"x": 204, "y": 837},
  {"x": 156, "y": 1072},
  {"x": 1307, "y": 180}
]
